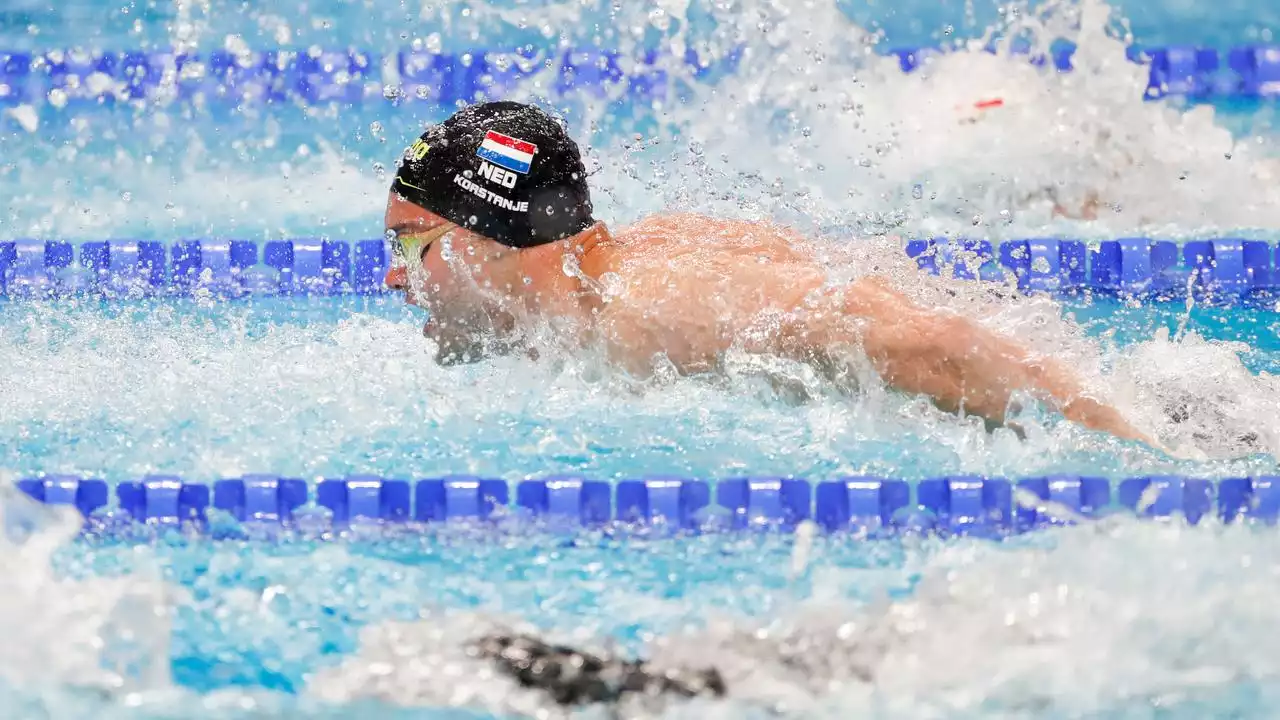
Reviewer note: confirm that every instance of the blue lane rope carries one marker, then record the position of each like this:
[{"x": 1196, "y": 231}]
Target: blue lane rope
[
  {"x": 1221, "y": 271},
  {"x": 346, "y": 77},
  {"x": 874, "y": 507}
]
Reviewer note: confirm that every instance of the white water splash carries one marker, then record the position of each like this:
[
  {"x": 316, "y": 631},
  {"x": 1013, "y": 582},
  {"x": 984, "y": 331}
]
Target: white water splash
[
  {"x": 105, "y": 635},
  {"x": 226, "y": 393}
]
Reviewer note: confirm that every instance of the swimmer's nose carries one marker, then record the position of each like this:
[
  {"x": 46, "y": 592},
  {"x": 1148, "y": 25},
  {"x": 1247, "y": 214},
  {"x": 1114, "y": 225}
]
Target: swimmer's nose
[{"x": 397, "y": 278}]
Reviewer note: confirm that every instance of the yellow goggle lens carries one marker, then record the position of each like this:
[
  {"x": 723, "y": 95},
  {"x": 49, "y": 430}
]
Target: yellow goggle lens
[{"x": 411, "y": 245}]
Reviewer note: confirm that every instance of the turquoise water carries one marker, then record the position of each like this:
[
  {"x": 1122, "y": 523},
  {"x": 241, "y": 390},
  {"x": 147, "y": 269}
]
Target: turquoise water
[
  {"x": 1059, "y": 622},
  {"x": 911, "y": 23},
  {"x": 1116, "y": 619},
  {"x": 165, "y": 169}
]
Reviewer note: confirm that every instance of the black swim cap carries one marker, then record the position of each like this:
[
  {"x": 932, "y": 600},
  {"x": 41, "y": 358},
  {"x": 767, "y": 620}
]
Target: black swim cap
[{"x": 504, "y": 169}]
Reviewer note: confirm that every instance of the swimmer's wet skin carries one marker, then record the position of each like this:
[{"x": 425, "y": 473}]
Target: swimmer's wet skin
[{"x": 492, "y": 218}]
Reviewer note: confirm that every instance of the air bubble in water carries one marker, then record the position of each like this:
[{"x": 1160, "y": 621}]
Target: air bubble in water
[
  {"x": 126, "y": 196},
  {"x": 380, "y": 170},
  {"x": 375, "y": 128},
  {"x": 917, "y": 191},
  {"x": 391, "y": 92}
]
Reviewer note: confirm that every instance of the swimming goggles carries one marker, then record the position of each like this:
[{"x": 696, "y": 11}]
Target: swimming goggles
[{"x": 411, "y": 246}]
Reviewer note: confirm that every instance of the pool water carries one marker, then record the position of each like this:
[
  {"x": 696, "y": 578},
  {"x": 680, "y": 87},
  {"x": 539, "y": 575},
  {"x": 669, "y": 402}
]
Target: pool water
[
  {"x": 818, "y": 127},
  {"x": 1060, "y": 623},
  {"x": 1122, "y": 618},
  {"x": 758, "y": 142},
  {"x": 332, "y": 387}
]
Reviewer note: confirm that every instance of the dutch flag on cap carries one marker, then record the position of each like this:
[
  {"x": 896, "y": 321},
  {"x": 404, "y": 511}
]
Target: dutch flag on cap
[{"x": 508, "y": 152}]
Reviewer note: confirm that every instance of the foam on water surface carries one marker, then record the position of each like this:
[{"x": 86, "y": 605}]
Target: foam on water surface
[{"x": 322, "y": 389}]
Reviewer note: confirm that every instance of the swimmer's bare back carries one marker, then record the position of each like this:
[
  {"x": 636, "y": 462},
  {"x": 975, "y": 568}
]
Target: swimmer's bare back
[{"x": 689, "y": 287}]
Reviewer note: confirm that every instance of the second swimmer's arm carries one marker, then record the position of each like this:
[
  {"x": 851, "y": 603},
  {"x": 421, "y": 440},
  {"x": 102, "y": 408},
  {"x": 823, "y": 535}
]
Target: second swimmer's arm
[{"x": 964, "y": 366}]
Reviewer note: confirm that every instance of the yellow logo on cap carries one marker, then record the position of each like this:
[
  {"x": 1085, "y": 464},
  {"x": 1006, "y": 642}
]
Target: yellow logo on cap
[{"x": 418, "y": 150}]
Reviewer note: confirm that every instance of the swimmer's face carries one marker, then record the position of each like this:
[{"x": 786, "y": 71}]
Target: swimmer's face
[{"x": 448, "y": 271}]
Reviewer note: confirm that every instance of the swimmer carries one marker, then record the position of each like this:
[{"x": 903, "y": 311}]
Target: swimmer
[
  {"x": 1087, "y": 208},
  {"x": 490, "y": 221},
  {"x": 570, "y": 676}
]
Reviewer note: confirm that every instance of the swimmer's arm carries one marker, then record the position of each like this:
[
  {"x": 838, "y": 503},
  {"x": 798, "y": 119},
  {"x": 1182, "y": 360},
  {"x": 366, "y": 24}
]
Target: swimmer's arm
[{"x": 963, "y": 366}]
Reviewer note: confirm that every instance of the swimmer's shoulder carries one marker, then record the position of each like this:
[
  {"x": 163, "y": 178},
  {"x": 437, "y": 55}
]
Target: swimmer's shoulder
[
  {"x": 698, "y": 227},
  {"x": 672, "y": 242}
]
